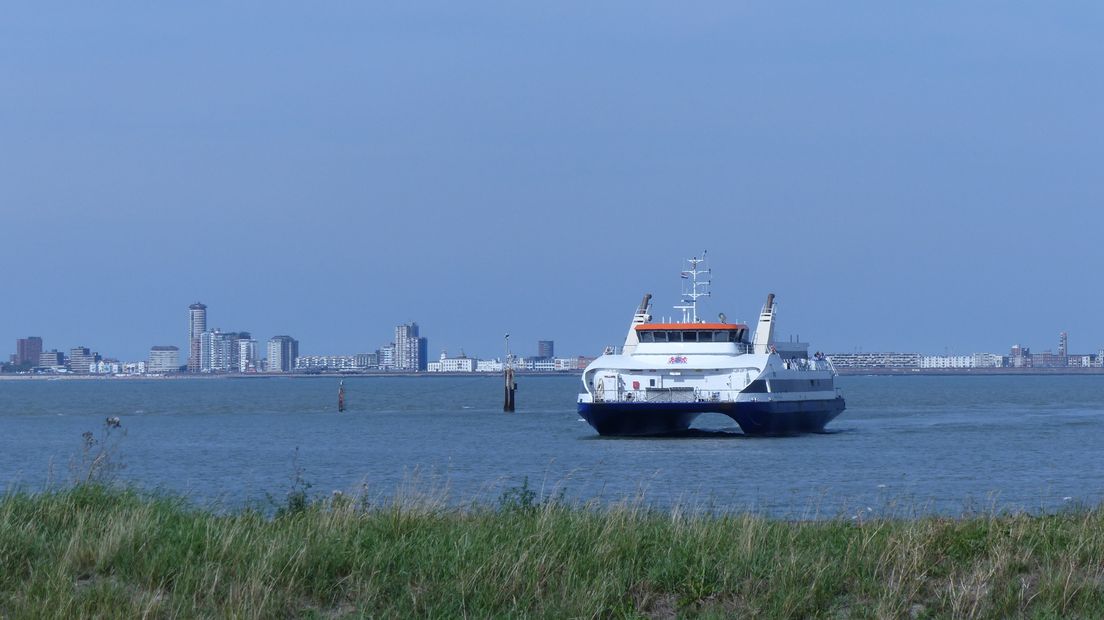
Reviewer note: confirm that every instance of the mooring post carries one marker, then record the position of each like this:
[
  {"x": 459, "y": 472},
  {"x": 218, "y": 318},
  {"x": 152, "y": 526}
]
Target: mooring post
[
  {"x": 508, "y": 372},
  {"x": 511, "y": 387}
]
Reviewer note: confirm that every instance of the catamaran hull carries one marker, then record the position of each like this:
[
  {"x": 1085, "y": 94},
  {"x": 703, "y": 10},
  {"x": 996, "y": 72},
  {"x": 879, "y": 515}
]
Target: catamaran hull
[{"x": 755, "y": 418}]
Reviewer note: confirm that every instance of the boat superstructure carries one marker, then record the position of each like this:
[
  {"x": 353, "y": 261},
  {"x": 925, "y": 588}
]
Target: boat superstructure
[{"x": 668, "y": 373}]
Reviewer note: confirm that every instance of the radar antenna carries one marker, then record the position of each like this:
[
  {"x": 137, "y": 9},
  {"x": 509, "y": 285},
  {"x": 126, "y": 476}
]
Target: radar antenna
[{"x": 695, "y": 284}]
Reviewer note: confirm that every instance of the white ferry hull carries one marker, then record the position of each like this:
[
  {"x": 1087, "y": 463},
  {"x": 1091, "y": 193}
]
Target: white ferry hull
[{"x": 776, "y": 417}]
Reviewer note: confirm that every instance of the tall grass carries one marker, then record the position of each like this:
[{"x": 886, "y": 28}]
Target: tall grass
[{"x": 95, "y": 550}]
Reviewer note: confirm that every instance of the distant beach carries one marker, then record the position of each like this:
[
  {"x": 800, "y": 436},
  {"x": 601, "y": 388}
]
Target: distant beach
[{"x": 949, "y": 372}]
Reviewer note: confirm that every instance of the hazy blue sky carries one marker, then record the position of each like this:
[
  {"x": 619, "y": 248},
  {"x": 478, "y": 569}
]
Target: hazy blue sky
[{"x": 909, "y": 176}]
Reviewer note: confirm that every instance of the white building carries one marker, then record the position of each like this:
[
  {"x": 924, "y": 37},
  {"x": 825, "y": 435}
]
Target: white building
[
  {"x": 977, "y": 360},
  {"x": 540, "y": 365},
  {"x": 452, "y": 364},
  {"x": 329, "y": 362},
  {"x": 215, "y": 351},
  {"x": 82, "y": 360},
  {"x": 988, "y": 360},
  {"x": 410, "y": 348},
  {"x": 105, "y": 367},
  {"x": 875, "y": 360},
  {"x": 163, "y": 359},
  {"x": 947, "y": 361},
  {"x": 387, "y": 357},
  {"x": 196, "y": 325},
  {"x": 565, "y": 363},
  {"x": 134, "y": 368},
  {"x": 488, "y": 366},
  {"x": 51, "y": 359},
  {"x": 282, "y": 353},
  {"x": 247, "y": 355},
  {"x": 1080, "y": 361}
]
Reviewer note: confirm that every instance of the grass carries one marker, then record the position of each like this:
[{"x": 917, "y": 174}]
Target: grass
[{"x": 94, "y": 550}]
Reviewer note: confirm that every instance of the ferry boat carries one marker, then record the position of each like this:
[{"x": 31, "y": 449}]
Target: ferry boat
[{"x": 668, "y": 373}]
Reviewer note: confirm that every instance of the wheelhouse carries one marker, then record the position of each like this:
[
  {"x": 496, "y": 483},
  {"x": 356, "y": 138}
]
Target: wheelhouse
[{"x": 691, "y": 332}]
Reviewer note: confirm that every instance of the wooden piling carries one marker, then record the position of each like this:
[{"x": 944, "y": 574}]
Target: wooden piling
[{"x": 511, "y": 387}]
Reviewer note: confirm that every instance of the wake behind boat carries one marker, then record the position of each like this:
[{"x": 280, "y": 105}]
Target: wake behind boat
[{"x": 667, "y": 374}]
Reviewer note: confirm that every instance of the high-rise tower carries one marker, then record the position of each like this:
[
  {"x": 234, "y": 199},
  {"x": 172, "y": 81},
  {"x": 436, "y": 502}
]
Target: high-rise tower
[
  {"x": 282, "y": 352},
  {"x": 1063, "y": 344},
  {"x": 410, "y": 348},
  {"x": 546, "y": 349},
  {"x": 197, "y": 324},
  {"x": 28, "y": 350}
]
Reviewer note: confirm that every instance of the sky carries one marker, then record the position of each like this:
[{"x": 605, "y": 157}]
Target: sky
[{"x": 904, "y": 176}]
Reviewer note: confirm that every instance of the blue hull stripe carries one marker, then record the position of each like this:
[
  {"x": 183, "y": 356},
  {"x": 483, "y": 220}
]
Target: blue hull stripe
[{"x": 761, "y": 418}]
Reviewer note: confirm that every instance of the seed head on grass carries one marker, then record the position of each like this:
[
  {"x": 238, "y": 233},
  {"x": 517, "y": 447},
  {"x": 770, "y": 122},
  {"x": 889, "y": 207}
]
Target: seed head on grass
[{"x": 98, "y": 460}]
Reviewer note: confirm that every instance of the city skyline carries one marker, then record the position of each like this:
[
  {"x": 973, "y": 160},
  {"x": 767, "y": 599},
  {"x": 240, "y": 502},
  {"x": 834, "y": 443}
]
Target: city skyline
[
  {"x": 198, "y": 320},
  {"x": 237, "y": 352},
  {"x": 907, "y": 179},
  {"x": 212, "y": 350}
]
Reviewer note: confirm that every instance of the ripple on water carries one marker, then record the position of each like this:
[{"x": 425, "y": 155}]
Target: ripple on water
[{"x": 935, "y": 444}]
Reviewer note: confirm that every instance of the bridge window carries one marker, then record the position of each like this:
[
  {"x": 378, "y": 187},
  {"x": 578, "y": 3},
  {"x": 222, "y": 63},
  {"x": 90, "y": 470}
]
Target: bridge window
[{"x": 680, "y": 335}]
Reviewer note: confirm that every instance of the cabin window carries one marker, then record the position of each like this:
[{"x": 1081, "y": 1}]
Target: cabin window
[
  {"x": 659, "y": 335},
  {"x": 758, "y": 386},
  {"x": 651, "y": 382}
]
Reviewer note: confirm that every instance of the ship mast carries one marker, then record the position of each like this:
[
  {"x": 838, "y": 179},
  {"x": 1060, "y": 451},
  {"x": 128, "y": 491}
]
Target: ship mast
[{"x": 693, "y": 287}]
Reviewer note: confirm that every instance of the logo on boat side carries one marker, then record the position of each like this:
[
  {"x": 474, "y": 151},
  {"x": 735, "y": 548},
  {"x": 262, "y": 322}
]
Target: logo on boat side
[{"x": 677, "y": 359}]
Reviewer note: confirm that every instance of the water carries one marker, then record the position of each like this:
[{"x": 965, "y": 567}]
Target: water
[{"x": 904, "y": 445}]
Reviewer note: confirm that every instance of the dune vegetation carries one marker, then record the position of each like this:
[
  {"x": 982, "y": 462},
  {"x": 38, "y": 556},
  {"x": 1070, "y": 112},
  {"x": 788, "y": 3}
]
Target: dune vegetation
[{"x": 94, "y": 549}]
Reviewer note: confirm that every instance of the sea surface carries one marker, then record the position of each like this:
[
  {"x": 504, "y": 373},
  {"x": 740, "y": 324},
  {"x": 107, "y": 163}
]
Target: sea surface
[{"x": 904, "y": 446}]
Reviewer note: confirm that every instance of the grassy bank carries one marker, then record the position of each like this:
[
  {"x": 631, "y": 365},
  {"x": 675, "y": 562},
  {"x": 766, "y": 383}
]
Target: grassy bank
[{"x": 98, "y": 551}]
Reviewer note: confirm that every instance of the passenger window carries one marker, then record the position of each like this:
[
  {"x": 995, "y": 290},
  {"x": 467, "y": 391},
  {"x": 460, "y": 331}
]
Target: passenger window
[
  {"x": 646, "y": 337},
  {"x": 674, "y": 336},
  {"x": 689, "y": 336},
  {"x": 660, "y": 336},
  {"x": 705, "y": 336}
]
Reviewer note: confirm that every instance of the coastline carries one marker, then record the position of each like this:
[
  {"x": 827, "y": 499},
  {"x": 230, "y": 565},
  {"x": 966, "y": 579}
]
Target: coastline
[
  {"x": 289, "y": 375},
  {"x": 843, "y": 372},
  {"x": 951, "y": 372}
]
